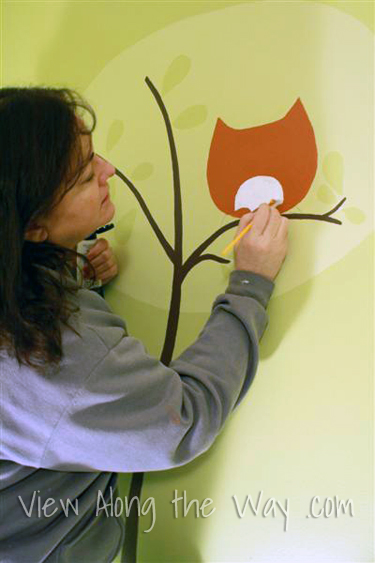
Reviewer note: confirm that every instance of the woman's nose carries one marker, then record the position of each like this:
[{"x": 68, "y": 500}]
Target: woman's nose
[{"x": 108, "y": 169}]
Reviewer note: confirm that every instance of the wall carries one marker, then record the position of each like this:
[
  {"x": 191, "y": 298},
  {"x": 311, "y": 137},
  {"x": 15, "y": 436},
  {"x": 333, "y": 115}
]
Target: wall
[{"x": 306, "y": 427}]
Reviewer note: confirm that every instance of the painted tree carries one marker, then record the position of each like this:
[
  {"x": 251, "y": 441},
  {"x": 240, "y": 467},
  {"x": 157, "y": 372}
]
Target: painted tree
[{"x": 285, "y": 149}]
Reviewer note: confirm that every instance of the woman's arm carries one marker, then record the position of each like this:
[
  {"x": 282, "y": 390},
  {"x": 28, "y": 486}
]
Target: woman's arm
[{"x": 133, "y": 413}]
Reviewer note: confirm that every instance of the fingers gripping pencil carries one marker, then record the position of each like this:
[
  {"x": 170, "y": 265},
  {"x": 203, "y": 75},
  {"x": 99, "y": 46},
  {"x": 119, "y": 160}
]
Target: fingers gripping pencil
[{"x": 229, "y": 247}]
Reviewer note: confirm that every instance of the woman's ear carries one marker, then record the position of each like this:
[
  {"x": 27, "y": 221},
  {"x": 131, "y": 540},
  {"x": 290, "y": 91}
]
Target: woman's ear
[{"x": 36, "y": 233}]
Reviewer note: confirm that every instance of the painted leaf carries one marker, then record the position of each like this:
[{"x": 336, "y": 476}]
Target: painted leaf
[
  {"x": 333, "y": 169},
  {"x": 176, "y": 72},
  {"x": 354, "y": 215},
  {"x": 124, "y": 227},
  {"x": 142, "y": 171},
  {"x": 115, "y": 133},
  {"x": 191, "y": 117},
  {"x": 325, "y": 194}
]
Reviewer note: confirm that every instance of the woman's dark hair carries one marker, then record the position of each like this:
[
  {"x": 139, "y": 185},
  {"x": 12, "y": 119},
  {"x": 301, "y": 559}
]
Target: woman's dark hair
[{"x": 40, "y": 160}]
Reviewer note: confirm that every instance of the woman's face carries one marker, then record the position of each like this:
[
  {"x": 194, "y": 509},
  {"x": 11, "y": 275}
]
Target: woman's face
[{"x": 83, "y": 209}]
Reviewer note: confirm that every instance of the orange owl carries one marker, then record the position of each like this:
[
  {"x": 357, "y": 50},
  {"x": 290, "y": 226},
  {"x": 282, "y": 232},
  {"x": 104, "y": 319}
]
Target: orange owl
[{"x": 277, "y": 160}]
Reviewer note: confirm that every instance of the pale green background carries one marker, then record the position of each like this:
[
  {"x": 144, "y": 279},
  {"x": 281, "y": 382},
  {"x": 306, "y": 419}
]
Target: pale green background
[{"x": 306, "y": 426}]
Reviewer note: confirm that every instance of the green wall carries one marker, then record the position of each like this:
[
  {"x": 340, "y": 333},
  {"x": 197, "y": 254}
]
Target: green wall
[{"x": 306, "y": 427}]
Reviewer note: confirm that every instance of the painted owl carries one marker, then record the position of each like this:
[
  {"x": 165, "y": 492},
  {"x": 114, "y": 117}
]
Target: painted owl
[{"x": 247, "y": 167}]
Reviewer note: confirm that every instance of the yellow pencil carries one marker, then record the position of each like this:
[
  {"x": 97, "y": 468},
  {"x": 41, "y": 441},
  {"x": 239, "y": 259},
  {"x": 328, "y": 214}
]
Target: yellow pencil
[{"x": 229, "y": 247}]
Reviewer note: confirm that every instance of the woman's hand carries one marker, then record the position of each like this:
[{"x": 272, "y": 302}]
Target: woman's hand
[
  {"x": 103, "y": 260},
  {"x": 263, "y": 249}
]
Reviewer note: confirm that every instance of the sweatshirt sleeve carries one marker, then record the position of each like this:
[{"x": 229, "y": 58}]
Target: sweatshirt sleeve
[{"x": 133, "y": 413}]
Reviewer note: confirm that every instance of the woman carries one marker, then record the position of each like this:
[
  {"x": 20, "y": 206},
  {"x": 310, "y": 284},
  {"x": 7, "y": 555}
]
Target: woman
[{"x": 81, "y": 399}]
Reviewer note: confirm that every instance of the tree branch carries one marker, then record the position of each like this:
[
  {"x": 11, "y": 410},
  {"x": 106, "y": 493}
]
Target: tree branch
[
  {"x": 197, "y": 252},
  {"x": 163, "y": 241},
  {"x": 188, "y": 266},
  {"x": 324, "y": 217},
  {"x": 176, "y": 174}
]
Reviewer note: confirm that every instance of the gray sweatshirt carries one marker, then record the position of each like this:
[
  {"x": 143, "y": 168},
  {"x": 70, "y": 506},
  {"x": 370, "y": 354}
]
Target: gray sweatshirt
[{"x": 111, "y": 407}]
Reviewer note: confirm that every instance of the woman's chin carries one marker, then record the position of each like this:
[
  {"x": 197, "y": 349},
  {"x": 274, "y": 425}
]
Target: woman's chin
[{"x": 110, "y": 209}]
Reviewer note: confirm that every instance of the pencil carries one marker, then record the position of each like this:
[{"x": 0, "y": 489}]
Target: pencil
[{"x": 229, "y": 247}]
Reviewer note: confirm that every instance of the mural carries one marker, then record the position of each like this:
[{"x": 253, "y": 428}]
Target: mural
[
  {"x": 188, "y": 118},
  {"x": 195, "y": 95},
  {"x": 205, "y": 109},
  {"x": 285, "y": 150}
]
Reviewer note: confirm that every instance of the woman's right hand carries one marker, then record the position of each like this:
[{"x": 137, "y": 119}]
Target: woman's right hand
[{"x": 263, "y": 248}]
